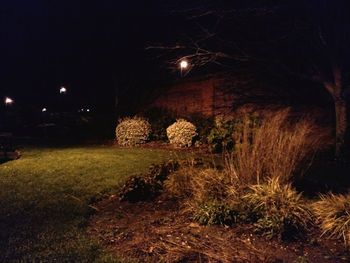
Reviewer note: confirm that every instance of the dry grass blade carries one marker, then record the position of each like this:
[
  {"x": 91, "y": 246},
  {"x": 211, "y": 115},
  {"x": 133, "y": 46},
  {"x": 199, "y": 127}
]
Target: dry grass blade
[
  {"x": 209, "y": 249},
  {"x": 333, "y": 214},
  {"x": 275, "y": 148}
]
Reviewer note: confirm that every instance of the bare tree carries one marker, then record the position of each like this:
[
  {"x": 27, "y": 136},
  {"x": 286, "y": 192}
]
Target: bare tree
[{"x": 307, "y": 39}]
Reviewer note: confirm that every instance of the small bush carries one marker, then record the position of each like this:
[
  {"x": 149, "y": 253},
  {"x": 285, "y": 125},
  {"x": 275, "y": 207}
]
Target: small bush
[
  {"x": 140, "y": 188},
  {"x": 222, "y": 135},
  {"x": 279, "y": 209},
  {"x": 181, "y": 133},
  {"x": 148, "y": 186},
  {"x": 333, "y": 214},
  {"x": 132, "y": 131}
]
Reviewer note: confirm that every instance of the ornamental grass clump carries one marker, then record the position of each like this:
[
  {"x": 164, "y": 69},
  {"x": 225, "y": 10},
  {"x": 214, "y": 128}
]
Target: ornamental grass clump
[
  {"x": 132, "y": 131},
  {"x": 333, "y": 215},
  {"x": 277, "y": 148},
  {"x": 279, "y": 210},
  {"x": 181, "y": 133}
]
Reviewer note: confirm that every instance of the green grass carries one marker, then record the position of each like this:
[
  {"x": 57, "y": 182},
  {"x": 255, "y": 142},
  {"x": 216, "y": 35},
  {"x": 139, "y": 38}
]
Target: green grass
[{"x": 45, "y": 197}]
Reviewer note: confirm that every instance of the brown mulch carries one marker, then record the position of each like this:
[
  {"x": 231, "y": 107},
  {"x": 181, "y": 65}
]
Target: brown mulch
[{"x": 159, "y": 232}]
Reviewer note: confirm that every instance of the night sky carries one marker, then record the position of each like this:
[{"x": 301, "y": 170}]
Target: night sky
[
  {"x": 91, "y": 47},
  {"x": 95, "y": 47}
]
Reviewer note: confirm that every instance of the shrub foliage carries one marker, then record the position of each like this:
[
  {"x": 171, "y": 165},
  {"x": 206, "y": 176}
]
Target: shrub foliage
[
  {"x": 181, "y": 133},
  {"x": 132, "y": 131},
  {"x": 148, "y": 186}
]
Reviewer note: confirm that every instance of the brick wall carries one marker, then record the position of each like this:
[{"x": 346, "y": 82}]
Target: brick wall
[{"x": 201, "y": 96}]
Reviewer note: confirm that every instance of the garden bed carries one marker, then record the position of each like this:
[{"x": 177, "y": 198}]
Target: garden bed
[{"x": 160, "y": 231}]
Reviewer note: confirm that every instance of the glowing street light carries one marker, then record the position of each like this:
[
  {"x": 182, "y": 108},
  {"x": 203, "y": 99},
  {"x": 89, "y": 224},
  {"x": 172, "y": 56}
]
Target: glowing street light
[
  {"x": 44, "y": 110},
  {"x": 183, "y": 64},
  {"x": 8, "y": 101},
  {"x": 63, "y": 90}
]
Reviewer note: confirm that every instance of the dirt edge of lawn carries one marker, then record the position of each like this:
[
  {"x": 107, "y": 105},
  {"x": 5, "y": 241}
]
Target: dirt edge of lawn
[{"x": 159, "y": 231}]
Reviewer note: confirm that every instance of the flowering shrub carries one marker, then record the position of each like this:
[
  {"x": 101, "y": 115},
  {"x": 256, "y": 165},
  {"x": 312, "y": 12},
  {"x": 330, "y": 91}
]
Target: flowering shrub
[
  {"x": 181, "y": 133},
  {"x": 132, "y": 131}
]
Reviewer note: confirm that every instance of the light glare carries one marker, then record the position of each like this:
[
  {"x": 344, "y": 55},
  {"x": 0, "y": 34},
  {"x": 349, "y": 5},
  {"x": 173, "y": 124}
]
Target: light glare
[
  {"x": 183, "y": 64},
  {"x": 63, "y": 90},
  {"x": 8, "y": 101}
]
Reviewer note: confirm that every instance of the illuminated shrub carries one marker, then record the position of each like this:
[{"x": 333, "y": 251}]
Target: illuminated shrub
[
  {"x": 181, "y": 133},
  {"x": 132, "y": 131}
]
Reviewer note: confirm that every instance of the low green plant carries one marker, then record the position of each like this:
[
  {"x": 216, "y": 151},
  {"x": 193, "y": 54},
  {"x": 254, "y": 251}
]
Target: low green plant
[
  {"x": 220, "y": 137},
  {"x": 333, "y": 215},
  {"x": 215, "y": 213},
  {"x": 280, "y": 210},
  {"x": 132, "y": 131},
  {"x": 181, "y": 133}
]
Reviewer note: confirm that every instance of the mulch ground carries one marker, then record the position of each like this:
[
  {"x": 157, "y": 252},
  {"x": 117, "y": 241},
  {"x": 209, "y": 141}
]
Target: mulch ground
[{"x": 159, "y": 231}]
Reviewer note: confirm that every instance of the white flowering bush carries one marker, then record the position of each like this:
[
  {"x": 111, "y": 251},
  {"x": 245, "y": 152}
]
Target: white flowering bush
[
  {"x": 132, "y": 131},
  {"x": 181, "y": 133}
]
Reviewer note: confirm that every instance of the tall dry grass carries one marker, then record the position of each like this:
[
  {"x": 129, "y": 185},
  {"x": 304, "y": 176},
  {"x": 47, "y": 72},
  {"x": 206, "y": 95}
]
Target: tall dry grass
[
  {"x": 333, "y": 215},
  {"x": 255, "y": 183},
  {"x": 277, "y": 147}
]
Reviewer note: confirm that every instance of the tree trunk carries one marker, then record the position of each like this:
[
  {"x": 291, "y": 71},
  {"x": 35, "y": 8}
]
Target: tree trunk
[
  {"x": 341, "y": 125},
  {"x": 336, "y": 89}
]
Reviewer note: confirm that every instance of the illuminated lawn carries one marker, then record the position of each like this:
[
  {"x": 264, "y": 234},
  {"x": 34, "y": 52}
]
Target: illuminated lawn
[{"x": 45, "y": 197}]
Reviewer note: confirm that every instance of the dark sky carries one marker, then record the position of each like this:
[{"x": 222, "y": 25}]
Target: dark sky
[
  {"x": 89, "y": 46},
  {"x": 92, "y": 47}
]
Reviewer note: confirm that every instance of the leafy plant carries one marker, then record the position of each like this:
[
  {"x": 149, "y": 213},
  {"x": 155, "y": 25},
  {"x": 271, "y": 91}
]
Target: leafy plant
[
  {"x": 181, "y": 133},
  {"x": 132, "y": 131},
  {"x": 222, "y": 136},
  {"x": 215, "y": 213},
  {"x": 147, "y": 186},
  {"x": 333, "y": 214}
]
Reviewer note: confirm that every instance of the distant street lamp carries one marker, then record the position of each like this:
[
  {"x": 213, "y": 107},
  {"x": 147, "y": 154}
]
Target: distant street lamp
[
  {"x": 183, "y": 64},
  {"x": 44, "y": 110},
  {"x": 63, "y": 90},
  {"x": 8, "y": 101}
]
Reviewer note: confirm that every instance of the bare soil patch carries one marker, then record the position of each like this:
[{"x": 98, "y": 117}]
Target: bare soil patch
[{"x": 159, "y": 232}]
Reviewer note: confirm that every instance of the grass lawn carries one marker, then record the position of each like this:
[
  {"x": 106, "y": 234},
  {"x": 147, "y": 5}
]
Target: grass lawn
[{"x": 45, "y": 198}]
